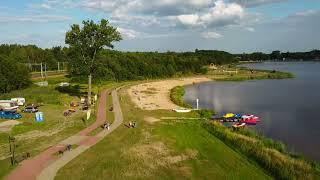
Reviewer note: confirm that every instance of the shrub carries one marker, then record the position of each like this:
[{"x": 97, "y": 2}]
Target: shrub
[
  {"x": 206, "y": 113},
  {"x": 176, "y": 96}
]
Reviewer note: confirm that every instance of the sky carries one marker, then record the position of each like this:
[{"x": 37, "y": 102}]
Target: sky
[{"x": 235, "y": 26}]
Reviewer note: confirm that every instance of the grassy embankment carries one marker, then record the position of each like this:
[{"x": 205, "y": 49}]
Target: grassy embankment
[
  {"x": 160, "y": 149},
  {"x": 271, "y": 155},
  {"x": 176, "y": 96}
]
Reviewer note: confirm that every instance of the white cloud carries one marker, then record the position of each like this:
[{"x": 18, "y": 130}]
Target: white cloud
[
  {"x": 307, "y": 13},
  {"x": 128, "y": 33},
  {"x": 44, "y": 6},
  {"x": 54, "y": 4},
  {"x": 34, "y": 18},
  {"x": 253, "y": 3},
  {"x": 211, "y": 35},
  {"x": 251, "y": 29},
  {"x": 222, "y": 14},
  {"x": 189, "y": 19},
  {"x": 162, "y": 7}
]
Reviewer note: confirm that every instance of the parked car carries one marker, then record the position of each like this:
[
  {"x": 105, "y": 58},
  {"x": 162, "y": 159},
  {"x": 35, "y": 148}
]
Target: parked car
[
  {"x": 31, "y": 109},
  {"x": 9, "y": 115}
]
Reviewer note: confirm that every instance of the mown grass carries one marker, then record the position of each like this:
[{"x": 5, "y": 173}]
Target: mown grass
[
  {"x": 35, "y": 137},
  {"x": 272, "y": 156},
  {"x": 156, "y": 151},
  {"x": 176, "y": 96}
]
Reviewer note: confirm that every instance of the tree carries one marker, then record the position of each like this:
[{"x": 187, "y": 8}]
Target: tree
[
  {"x": 89, "y": 40},
  {"x": 13, "y": 75}
]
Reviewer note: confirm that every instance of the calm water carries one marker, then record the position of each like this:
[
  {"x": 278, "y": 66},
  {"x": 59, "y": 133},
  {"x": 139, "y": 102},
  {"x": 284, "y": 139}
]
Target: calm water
[{"x": 289, "y": 109}]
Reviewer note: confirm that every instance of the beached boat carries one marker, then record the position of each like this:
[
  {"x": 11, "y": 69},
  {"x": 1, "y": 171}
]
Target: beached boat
[
  {"x": 250, "y": 119},
  {"x": 239, "y": 125},
  {"x": 182, "y": 110},
  {"x": 229, "y": 115}
]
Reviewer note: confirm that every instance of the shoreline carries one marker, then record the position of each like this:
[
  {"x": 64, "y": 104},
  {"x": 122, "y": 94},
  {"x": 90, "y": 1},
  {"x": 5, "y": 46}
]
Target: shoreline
[
  {"x": 265, "y": 148},
  {"x": 156, "y": 95}
]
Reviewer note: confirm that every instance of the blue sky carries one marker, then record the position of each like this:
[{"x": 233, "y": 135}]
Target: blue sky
[{"x": 177, "y": 25}]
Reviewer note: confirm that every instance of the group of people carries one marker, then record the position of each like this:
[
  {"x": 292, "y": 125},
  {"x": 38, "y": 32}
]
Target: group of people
[
  {"x": 106, "y": 125},
  {"x": 132, "y": 124}
]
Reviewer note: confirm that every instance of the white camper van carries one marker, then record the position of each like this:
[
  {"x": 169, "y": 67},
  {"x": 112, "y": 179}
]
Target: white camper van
[
  {"x": 8, "y": 105},
  {"x": 20, "y": 101}
]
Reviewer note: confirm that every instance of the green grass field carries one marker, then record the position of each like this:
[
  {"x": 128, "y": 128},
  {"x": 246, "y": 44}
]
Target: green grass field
[
  {"x": 167, "y": 149},
  {"x": 35, "y": 137}
]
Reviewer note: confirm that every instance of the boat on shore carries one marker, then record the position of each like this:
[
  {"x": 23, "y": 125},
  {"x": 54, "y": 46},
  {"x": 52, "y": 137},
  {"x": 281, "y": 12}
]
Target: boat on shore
[
  {"x": 238, "y": 125},
  {"x": 250, "y": 119},
  {"x": 182, "y": 110},
  {"x": 230, "y": 117}
]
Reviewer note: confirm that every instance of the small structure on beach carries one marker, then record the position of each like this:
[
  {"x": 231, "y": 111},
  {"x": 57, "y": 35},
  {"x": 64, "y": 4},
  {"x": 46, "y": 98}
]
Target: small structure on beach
[{"x": 213, "y": 66}]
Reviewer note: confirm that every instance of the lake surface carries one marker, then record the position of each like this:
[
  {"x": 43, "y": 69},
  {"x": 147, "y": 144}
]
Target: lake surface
[{"x": 289, "y": 109}]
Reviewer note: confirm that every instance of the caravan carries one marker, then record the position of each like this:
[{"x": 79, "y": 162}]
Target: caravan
[
  {"x": 20, "y": 101},
  {"x": 8, "y": 105}
]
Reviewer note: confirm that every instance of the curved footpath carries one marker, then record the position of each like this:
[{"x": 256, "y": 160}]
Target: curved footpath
[{"x": 46, "y": 165}]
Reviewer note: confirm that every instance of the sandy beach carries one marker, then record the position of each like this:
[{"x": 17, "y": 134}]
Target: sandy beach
[{"x": 156, "y": 95}]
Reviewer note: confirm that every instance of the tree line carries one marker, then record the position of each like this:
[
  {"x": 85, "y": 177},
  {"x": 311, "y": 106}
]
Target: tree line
[
  {"x": 110, "y": 64},
  {"x": 119, "y": 66},
  {"x": 313, "y": 55},
  {"x": 31, "y": 54}
]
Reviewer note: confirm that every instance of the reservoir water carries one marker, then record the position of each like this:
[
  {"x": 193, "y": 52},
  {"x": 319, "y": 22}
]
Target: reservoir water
[{"x": 289, "y": 108}]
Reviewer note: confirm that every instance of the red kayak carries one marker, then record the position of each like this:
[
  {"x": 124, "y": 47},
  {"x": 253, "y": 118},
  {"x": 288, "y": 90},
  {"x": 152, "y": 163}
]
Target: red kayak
[{"x": 250, "y": 119}]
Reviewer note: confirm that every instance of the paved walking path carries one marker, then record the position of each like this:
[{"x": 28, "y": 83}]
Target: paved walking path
[{"x": 46, "y": 165}]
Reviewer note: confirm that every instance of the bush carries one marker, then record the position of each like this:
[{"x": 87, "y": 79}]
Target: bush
[
  {"x": 206, "y": 113},
  {"x": 176, "y": 96},
  {"x": 73, "y": 90}
]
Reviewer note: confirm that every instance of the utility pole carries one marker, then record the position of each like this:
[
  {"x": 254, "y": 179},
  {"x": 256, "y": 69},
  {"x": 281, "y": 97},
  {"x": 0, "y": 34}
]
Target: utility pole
[
  {"x": 41, "y": 71},
  {"x": 45, "y": 70},
  {"x": 89, "y": 90},
  {"x": 58, "y": 66}
]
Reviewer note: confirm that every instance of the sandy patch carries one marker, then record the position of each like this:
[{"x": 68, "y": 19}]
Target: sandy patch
[
  {"x": 37, "y": 134},
  {"x": 151, "y": 120},
  {"x": 7, "y": 125},
  {"x": 156, "y": 95},
  {"x": 157, "y": 154}
]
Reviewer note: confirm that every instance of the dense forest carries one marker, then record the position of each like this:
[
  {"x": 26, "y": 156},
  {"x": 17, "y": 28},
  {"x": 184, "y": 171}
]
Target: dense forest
[
  {"x": 282, "y": 56},
  {"x": 18, "y": 60},
  {"x": 115, "y": 65}
]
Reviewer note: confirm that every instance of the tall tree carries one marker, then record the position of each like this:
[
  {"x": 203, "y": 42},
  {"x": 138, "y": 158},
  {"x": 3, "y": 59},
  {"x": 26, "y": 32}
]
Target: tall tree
[{"x": 89, "y": 40}]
